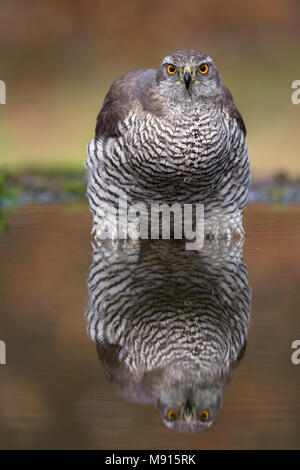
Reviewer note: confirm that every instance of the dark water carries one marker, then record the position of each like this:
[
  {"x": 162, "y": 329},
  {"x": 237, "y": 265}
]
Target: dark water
[{"x": 53, "y": 389}]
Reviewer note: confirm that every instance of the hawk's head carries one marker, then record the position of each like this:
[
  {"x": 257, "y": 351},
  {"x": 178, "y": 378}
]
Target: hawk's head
[{"x": 188, "y": 76}]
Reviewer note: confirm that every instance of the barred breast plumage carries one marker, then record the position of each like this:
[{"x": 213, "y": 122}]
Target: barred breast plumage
[
  {"x": 170, "y": 325},
  {"x": 158, "y": 140}
]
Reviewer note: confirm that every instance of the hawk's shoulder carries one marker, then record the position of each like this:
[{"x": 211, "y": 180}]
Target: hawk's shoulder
[
  {"x": 133, "y": 92},
  {"x": 232, "y": 109}
]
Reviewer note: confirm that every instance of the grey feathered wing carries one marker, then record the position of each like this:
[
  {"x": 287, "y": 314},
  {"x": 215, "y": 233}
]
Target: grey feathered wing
[{"x": 134, "y": 92}]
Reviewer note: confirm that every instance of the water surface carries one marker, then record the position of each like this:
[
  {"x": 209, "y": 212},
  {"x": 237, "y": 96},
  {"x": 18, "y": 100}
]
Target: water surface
[{"x": 53, "y": 390}]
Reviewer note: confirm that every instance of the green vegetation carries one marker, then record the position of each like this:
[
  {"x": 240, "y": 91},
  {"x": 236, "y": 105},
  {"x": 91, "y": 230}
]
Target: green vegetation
[
  {"x": 44, "y": 186},
  {"x": 8, "y": 191}
]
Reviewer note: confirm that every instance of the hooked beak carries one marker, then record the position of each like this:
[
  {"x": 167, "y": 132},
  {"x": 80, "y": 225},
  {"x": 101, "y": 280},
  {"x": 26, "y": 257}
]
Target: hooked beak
[
  {"x": 188, "y": 411},
  {"x": 187, "y": 77}
]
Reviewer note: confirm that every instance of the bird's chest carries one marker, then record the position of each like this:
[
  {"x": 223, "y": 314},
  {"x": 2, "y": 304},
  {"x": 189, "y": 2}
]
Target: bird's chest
[{"x": 188, "y": 136}]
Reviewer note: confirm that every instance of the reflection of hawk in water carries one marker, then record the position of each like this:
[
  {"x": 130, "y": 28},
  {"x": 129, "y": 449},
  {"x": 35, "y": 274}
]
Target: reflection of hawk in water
[{"x": 170, "y": 324}]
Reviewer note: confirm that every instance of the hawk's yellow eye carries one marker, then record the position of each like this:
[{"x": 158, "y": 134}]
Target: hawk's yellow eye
[
  {"x": 171, "y": 69},
  {"x": 203, "y": 68},
  {"x": 172, "y": 415},
  {"x": 204, "y": 415}
]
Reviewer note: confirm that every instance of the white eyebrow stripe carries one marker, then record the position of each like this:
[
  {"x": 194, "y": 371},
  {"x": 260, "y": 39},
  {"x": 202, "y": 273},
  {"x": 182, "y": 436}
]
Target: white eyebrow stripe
[
  {"x": 167, "y": 60},
  {"x": 208, "y": 59}
]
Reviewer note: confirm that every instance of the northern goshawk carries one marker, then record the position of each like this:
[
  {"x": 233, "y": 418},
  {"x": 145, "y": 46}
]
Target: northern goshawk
[{"x": 172, "y": 135}]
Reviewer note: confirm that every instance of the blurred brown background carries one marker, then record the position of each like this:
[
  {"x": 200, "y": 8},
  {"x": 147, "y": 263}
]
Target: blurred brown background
[{"x": 58, "y": 59}]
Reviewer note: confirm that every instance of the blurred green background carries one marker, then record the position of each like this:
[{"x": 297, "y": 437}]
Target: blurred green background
[{"x": 59, "y": 57}]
